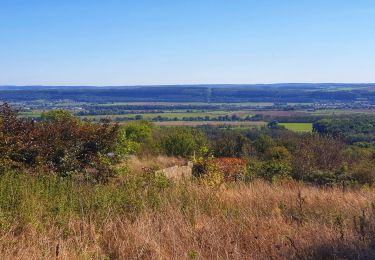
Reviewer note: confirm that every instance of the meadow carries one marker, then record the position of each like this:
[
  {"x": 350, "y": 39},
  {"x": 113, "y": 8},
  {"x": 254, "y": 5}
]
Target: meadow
[{"x": 148, "y": 217}]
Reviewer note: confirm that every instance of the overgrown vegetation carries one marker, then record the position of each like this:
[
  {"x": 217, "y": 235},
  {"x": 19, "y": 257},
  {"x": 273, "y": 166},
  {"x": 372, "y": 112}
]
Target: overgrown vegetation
[
  {"x": 359, "y": 129},
  {"x": 145, "y": 216},
  {"x": 75, "y": 189},
  {"x": 62, "y": 144}
]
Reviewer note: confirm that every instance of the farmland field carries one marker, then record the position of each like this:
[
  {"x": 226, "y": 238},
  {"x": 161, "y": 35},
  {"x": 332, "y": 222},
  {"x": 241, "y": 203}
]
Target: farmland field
[
  {"x": 178, "y": 115},
  {"x": 298, "y": 127},
  {"x": 344, "y": 111},
  {"x": 255, "y": 104},
  {"x": 33, "y": 114},
  {"x": 212, "y": 123},
  {"x": 273, "y": 113}
]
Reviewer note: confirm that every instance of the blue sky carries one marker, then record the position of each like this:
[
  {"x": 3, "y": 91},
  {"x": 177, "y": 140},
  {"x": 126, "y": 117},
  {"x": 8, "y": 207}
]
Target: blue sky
[{"x": 109, "y": 42}]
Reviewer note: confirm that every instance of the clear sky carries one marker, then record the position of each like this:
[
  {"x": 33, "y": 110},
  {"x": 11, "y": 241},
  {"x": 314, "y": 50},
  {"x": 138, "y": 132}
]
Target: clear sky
[{"x": 109, "y": 42}]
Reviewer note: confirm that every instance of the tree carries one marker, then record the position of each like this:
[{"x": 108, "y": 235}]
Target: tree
[
  {"x": 263, "y": 143},
  {"x": 138, "y": 117},
  {"x": 182, "y": 141},
  {"x": 57, "y": 115},
  {"x": 135, "y": 134},
  {"x": 315, "y": 152},
  {"x": 276, "y": 163}
]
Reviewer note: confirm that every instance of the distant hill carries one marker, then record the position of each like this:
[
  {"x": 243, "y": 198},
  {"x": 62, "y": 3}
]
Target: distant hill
[{"x": 223, "y": 93}]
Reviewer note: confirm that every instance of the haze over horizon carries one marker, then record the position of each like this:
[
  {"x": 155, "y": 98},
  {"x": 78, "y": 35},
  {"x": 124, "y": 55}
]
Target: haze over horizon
[
  {"x": 276, "y": 84},
  {"x": 123, "y": 43}
]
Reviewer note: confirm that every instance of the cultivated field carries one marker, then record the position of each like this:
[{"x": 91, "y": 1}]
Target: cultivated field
[
  {"x": 344, "y": 111},
  {"x": 213, "y": 123},
  {"x": 274, "y": 113},
  {"x": 298, "y": 127}
]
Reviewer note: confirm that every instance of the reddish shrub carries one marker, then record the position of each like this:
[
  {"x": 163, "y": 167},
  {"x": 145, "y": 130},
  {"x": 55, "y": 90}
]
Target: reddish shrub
[
  {"x": 232, "y": 168},
  {"x": 62, "y": 145}
]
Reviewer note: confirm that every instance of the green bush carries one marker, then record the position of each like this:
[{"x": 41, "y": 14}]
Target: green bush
[
  {"x": 276, "y": 163},
  {"x": 181, "y": 141},
  {"x": 135, "y": 135},
  {"x": 364, "y": 173}
]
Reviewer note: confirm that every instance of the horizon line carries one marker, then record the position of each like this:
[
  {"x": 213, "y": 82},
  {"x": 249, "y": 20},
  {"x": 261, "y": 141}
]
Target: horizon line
[{"x": 187, "y": 84}]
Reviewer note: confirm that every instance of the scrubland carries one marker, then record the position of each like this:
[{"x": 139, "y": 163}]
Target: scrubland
[{"x": 71, "y": 189}]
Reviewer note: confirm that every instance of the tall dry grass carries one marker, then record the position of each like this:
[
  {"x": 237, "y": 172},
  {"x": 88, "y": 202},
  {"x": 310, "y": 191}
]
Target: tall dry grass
[
  {"x": 137, "y": 164},
  {"x": 150, "y": 218}
]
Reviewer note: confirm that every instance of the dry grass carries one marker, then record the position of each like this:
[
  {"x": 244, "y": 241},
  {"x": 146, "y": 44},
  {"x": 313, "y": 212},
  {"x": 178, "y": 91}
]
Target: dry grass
[
  {"x": 256, "y": 221},
  {"x": 137, "y": 164}
]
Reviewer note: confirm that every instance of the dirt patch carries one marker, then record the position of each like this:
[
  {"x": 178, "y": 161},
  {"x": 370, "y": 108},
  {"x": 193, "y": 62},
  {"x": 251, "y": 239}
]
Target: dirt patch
[{"x": 136, "y": 164}]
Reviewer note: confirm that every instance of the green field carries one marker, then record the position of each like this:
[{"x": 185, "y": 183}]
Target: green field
[
  {"x": 239, "y": 104},
  {"x": 233, "y": 124},
  {"x": 298, "y": 127},
  {"x": 177, "y": 115},
  {"x": 33, "y": 114}
]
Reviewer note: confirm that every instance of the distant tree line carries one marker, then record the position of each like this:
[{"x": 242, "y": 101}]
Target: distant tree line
[
  {"x": 358, "y": 129},
  {"x": 211, "y": 94}
]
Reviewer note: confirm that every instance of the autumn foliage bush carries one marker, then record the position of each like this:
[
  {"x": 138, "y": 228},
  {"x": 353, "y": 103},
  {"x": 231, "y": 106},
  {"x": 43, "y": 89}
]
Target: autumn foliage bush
[
  {"x": 232, "y": 168},
  {"x": 59, "y": 143},
  {"x": 216, "y": 171}
]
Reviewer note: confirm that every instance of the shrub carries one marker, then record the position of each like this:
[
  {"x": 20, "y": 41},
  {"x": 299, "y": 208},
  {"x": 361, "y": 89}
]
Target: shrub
[
  {"x": 59, "y": 143},
  {"x": 135, "y": 134},
  {"x": 275, "y": 164},
  {"x": 181, "y": 141},
  {"x": 364, "y": 173},
  {"x": 57, "y": 115},
  {"x": 230, "y": 144},
  {"x": 275, "y": 168},
  {"x": 321, "y": 177},
  {"x": 232, "y": 168},
  {"x": 315, "y": 152},
  {"x": 263, "y": 143},
  {"x": 278, "y": 153}
]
